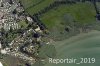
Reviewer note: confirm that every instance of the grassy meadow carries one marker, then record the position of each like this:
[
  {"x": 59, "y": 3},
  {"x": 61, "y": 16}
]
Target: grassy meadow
[
  {"x": 82, "y": 13},
  {"x": 33, "y": 6}
]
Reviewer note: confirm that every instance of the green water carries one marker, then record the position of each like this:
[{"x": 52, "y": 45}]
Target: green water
[{"x": 81, "y": 46}]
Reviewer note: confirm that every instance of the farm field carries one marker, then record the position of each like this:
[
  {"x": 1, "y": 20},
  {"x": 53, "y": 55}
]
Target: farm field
[
  {"x": 33, "y": 6},
  {"x": 83, "y": 13},
  {"x": 86, "y": 45}
]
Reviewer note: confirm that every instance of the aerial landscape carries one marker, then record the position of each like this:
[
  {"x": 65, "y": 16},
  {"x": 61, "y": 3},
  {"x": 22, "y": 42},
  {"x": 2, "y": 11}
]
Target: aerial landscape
[{"x": 49, "y": 32}]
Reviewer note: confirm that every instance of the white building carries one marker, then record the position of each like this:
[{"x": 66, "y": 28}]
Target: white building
[
  {"x": 3, "y": 51},
  {"x": 29, "y": 19}
]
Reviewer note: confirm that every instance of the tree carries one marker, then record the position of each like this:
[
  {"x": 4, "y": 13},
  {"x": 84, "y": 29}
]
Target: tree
[
  {"x": 11, "y": 29},
  {"x": 2, "y": 31}
]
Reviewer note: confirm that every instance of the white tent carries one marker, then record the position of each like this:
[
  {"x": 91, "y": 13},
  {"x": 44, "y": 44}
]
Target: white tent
[{"x": 1, "y": 64}]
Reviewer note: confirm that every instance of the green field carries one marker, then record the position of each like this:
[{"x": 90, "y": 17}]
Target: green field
[
  {"x": 85, "y": 45},
  {"x": 33, "y": 6},
  {"x": 82, "y": 13},
  {"x": 23, "y": 24},
  {"x": 29, "y": 3}
]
